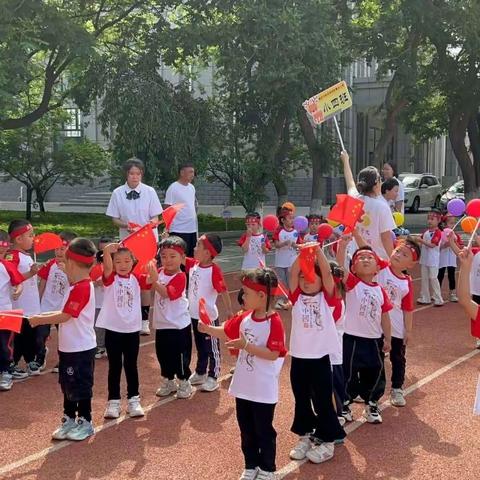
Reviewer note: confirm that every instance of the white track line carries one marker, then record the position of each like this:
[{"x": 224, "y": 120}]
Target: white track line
[{"x": 294, "y": 465}]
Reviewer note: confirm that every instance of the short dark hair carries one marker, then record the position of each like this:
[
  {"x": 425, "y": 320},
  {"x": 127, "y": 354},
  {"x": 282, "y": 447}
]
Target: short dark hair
[
  {"x": 172, "y": 241},
  {"x": 216, "y": 242},
  {"x": 67, "y": 236},
  {"x": 240, "y": 295},
  {"x": 16, "y": 224},
  {"x": 255, "y": 215},
  {"x": 85, "y": 247},
  {"x": 133, "y": 162},
  {"x": 314, "y": 216},
  {"x": 367, "y": 178},
  {"x": 185, "y": 165},
  {"x": 126, "y": 250},
  {"x": 389, "y": 184},
  {"x": 4, "y": 236}
]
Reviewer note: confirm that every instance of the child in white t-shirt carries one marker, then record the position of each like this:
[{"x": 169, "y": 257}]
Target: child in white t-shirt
[
  {"x": 313, "y": 339},
  {"x": 429, "y": 261},
  {"x": 448, "y": 258},
  {"x": 76, "y": 343},
  {"x": 259, "y": 335},
  {"x": 121, "y": 317},
  {"x": 367, "y": 334},
  {"x": 314, "y": 221},
  {"x": 171, "y": 318},
  {"x": 254, "y": 243}
]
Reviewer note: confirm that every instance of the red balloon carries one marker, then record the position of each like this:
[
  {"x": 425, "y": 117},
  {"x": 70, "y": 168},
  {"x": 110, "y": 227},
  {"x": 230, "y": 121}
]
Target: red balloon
[
  {"x": 270, "y": 223},
  {"x": 473, "y": 208},
  {"x": 324, "y": 231}
]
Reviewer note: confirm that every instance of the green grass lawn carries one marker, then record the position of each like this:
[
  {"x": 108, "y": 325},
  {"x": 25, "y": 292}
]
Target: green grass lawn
[{"x": 94, "y": 225}]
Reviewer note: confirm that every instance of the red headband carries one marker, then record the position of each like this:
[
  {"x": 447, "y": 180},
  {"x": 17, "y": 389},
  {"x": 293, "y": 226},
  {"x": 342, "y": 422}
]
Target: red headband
[
  {"x": 4, "y": 243},
  {"x": 209, "y": 246},
  {"x": 435, "y": 214},
  {"x": 87, "y": 260},
  {"x": 381, "y": 263},
  {"x": 20, "y": 231},
  {"x": 410, "y": 247},
  {"x": 252, "y": 220},
  {"x": 178, "y": 249},
  {"x": 246, "y": 282}
]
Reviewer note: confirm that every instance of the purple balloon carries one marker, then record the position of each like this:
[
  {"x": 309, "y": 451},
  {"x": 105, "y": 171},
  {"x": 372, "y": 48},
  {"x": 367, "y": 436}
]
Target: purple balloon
[
  {"x": 300, "y": 223},
  {"x": 456, "y": 207}
]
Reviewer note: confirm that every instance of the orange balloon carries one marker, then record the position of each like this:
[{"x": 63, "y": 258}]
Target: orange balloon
[{"x": 468, "y": 224}]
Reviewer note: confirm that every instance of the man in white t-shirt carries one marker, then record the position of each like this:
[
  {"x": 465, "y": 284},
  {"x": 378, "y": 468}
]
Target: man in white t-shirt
[
  {"x": 133, "y": 203},
  {"x": 185, "y": 224}
]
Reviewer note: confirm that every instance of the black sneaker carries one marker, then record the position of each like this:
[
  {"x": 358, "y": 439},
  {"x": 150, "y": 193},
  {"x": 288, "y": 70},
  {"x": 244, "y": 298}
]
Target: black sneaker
[
  {"x": 372, "y": 413},
  {"x": 17, "y": 372},
  {"x": 33, "y": 368},
  {"x": 347, "y": 413}
]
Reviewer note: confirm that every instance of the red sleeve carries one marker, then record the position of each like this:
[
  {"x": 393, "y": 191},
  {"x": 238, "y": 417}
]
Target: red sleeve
[
  {"x": 352, "y": 281},
  {"x": 96, "y": 272},
  {"x": 15, "y": 276},
  {"x": 437, "y": 236},
  {"x": 332, "y": 301},
  {"x": 407, "y": 300},
  {"x": 176, "y": 286},
  {"x": 107, "y": 281},
  {"x": 189, "y": 264},
  {"x": 44, "y": 270},
  {"x": 475, "y": 250},
  {"x": 276, "y": 339},
  {"x": 217, "y": 279},
  {"x": 78, "y": 299},
  {"x": 387, "y": 304},
  {"x": 337, "y": 311},
  {"x": 268, "y": 245},
  {"x": 142, "y": 281},
  {"x": 293, "y": 296},
  {"x": 13, "y": 257},
  {"x": 276, "y": 235},
  {"x": 242, "y": 239},
  {"x": 232, "y": 326}
]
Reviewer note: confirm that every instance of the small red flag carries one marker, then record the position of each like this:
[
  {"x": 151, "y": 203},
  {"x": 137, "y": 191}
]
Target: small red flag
[
  {"x": 11, "y": 320},
  {"x": 134, "y": 226},
  {"x": 46, "y": 241},
  {"x": 307, "y": 263},
  {"x": 202, "y": 310},
  {"x": 169, "y": 214},
  {"x": 348, "y": 210},
  {"x": 143, "y": 245}
]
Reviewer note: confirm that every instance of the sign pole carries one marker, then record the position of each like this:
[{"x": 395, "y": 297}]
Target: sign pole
[{"x": 339, "y": 133}]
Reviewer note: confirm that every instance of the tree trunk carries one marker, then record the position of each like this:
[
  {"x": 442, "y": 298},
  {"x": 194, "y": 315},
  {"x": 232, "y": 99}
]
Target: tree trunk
[
  {"x": 28, "y": 204},
  {"x": 40, "y": 199}
]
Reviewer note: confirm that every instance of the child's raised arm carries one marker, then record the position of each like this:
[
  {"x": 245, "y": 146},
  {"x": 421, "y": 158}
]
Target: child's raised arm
[
  {"x": 107, "y": 258},
  {"x": 342, "y": 252},
  {"x": 347, "y": 171},
  {"x": 327, "y": 277},
  {"x": 294, "y": 272},
  {"x": 463, "y": 288}
]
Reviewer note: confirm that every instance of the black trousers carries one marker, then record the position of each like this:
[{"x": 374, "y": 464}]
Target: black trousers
[
  {"x": 75, "y": 376},
  {"x": 6, "y": 349},
  {"x": 398, "y": 361},
  {"x": 451, "y": 276},
  {"x": 338, "y": 388},
  {"x": 25, "y": 343},
  {"x": 122, "y": 350},
  {"x": 42, "y": 332},
  {"x": 208, "y": 351},
  {"x": 174, "y": 352},
  {"x": 258, "y": 437},
  {"x": 82, "y": 408},
  {"x": 311, "y": 380},
  {"x": 190, "y": 240},
  {"x": 363, "y": 367}
]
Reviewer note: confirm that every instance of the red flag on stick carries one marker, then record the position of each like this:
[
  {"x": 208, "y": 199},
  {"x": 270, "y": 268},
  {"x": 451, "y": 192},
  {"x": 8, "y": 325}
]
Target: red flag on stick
[
  {"x": 143, "y": 245},
  {"x": 46, "y": 241},
  {"x": 348, "y": 210},
  {"x": 11, "y": 320},
  {"x": 203, "y": 314},
  {"x": 169, "y": 214},
  {"x": 307, "y": 262}
]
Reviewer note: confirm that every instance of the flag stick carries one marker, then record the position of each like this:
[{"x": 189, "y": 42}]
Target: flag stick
[
  {"x": 338, "y": 133},
  {"x": 473, "y": 233},
  {"x": 456, "y": 225}
]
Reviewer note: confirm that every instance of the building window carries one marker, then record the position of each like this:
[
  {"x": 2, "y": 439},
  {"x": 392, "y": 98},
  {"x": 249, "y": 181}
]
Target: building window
[{"x": 72, "y": 127}]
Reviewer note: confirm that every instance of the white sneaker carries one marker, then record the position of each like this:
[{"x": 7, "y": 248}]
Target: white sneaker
[
  {"x": 477, "y": 343},
  {"x": 134, "y": 408},
  {"x": 249, "y": 474},
  {"x": 397, "y": 399},
  {"x": 279, "y": 305},
  {"x": 372, "y": 413},
  {"x": 263, "y": 475},
  {"x": 347, "y": 413},
  {"x": 342, "y": 421},
  {"x": 185, "y": 389},
  {"x": 100, "y": 353},
  {"x": 113, "y": 409},
  {"x": 299, "y": 451},
  {"x": 168, "y": 387},
  {"x": 82, "y": 430},
  {"x": 196, "y": 379},
  {"x": 453, "y": 296},
  {"x": 6, "y": 381},
  {"x": 321, "y": 453},
  {"x": 210, "y": 385},
  {"x": 358, "y": 399},
  {"x": 145, "y": 328},
  {"x": 61, "y": 432},
  {"x": 423, "y": 301},
  {"x": 44, "y": 364},
  {"x": 438, "y": 303}
]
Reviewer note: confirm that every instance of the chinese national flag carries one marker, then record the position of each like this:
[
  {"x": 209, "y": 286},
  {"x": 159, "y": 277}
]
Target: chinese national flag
[
  {"x": 307, "y": 263},
  {"x": 46, "y": 241},
  {"x": 169, "y": 214},
  {"x": 348, "y": 210},
  {"x": 143, "y": 245},
  {"x": 11, "y": 320},
  {"x": 202, "y": 311}
]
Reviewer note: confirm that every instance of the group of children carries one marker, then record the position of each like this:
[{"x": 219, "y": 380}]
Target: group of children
[{"x": 346, "y": 314}]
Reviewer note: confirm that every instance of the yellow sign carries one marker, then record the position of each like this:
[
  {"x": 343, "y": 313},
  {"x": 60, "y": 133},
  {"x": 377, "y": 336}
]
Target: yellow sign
[{"x": 328, "y": 103}]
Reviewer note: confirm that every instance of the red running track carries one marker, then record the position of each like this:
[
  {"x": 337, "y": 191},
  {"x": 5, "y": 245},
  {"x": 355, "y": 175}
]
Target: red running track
[{"x": 434, "y": 436}]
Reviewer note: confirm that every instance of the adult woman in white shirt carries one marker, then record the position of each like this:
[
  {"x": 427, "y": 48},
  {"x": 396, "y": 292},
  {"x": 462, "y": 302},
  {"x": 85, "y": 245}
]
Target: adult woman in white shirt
[
  {"x": 377, "y": 223},
  {"x": 389, "y": 170}
]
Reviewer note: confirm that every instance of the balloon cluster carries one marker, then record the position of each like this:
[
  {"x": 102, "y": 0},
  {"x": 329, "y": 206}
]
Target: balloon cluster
[{"x": 456, "y": 208}]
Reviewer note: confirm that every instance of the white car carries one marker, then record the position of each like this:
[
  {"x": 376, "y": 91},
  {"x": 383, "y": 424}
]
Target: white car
[{"x": 422, "y": 190}]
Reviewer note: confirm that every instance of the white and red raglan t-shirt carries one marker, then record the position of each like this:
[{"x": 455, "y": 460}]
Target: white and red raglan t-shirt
[
  {"x": 364, "y": 305},
  {"x": 400, "y": 292},
  {"x": 285, "y": 256},
  {"x": 475, "y": 272},
  {"x": 204, "y": 282},
  {"x": 171, "y": 312},
  {"x": 78, "y": 334},
  {"x": 313, "y": 333},
  {"x": 56, "y": 286},
  {"x": 430, "y": 257},
  {"x": 254, "y": 256},
  {"x": 122, "y": 306},
  {"x": 255, "y": 378},
  {"x": 447, "y": 255},
  {"x": 9, "y": 277}
]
